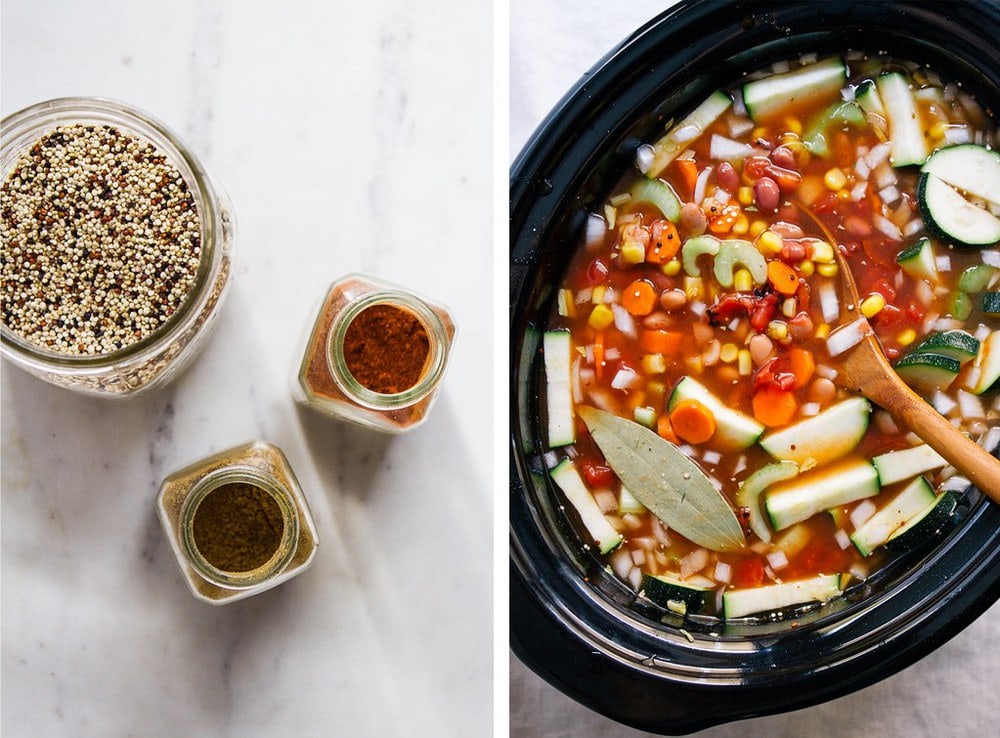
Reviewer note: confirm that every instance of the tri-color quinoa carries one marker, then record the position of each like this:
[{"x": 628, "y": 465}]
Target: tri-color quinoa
[{"x": 100, "y": 241}]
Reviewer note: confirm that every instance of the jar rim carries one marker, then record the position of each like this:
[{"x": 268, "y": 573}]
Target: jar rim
[
  {"x": 34, "y": 121},
  {"x": 282, "y": 555},
  {"x": 436, "y": 360}
]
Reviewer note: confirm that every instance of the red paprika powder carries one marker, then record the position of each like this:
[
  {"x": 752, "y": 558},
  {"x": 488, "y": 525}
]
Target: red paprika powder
[{"x": 386, "y": 349}]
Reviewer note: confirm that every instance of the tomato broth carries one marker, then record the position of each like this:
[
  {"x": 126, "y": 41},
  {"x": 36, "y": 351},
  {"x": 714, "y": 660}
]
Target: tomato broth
[{"x": 704, "y": 305}]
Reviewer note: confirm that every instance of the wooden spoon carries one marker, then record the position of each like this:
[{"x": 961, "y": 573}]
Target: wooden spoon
[{"x": 864, "y": 369}]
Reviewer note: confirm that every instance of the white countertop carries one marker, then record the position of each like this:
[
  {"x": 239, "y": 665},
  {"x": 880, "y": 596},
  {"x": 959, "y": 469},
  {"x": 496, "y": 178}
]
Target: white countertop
[
  {"x": 949, "y": 693},
  {"x": 349, "y": 139}
]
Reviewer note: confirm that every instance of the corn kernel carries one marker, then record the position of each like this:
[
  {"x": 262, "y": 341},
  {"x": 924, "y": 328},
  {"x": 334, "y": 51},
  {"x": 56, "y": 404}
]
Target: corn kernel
[
  {"x": 822, "y": 252},
  {"x": 729, "y": 353},
  {"x": 835, "y": 179},
  {"x": 597, "y": 296},
  {"x": 872, "y": 305},
  {"x": 744, "y": 196},
  {"x": 694, "y": 365},
  {"x": 844, "y": 195},
  {"x": 906, "y": 337},
  {"x": 822, "y": 330},
  {"x": 671, "y": 268},
  {"x": 741, "y": 225},
  {"x": 633, "y": 252},
  {"x": 693, "y": 288},
  {"x": 744, "y": 363},
  {"x": 654, "y": 364},
  {"x": 655, "y": 391},
  {"x": 827, "y": 270},
  {"x": 794, "y": 125},
  {"x": 777, "y": 329},
  {"x": 807, "y": 268},
  {"x": 601, "y": 317},
  {"x": 770, "y": 242},
  {"x": 790, "y": 307},
  {"x": 759, "y": 132},
  {"x": 757, "y": 227},
  {"x": 937, "y": 130},
  {"x": 742, "y": 281}
]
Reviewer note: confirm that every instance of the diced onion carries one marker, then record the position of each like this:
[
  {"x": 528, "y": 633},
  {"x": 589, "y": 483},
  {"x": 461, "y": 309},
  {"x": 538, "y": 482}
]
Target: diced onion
[
  {"x": 810, "y": 408},
  {"x": 597, "y": 227},
  {"x": 991, "y": 440},
  {"x": 726, "y": 149},
  {"x": 861, "y": 514},
  {"x": 723, "y": 572},
  {"x": 685, "y": 133},
  {"x": 741, "y": 464},
  {"x": 878, "y": 154},
  {"x": 550, "y": 459},
  {"x": 955, "y": 484},
  {"x": 638, "y": 557},
  {"x": 721, "y": 195},
  {"x": 621, "y": 563},
  {"x": 825, "y": 371},
  {"x": 711, "y": 457},
  {"x": 884, "y": 175},
  {"x": 700, "y": 184},
  {"x": 777, "y": 560},
  {"x": 912, "y": 227},
  {"x": 739, "y": 124},
  {"x": 889, "y": 194},
  {"x": 694, "y": 562},
  {"x": 947, "y": 324},
  {"x": 982, "y": 332},
  {"x": 644, "y": 158},
  {"x": 584, "y": 295},
  {"x": 970, "y": 405},
  {"x": 943, "y": 263},
  {"x": 924, "y": 293},
  {"x": 660, "y": 533},
  {"x": 843, "y": 540},
  {"x": 625, "y": 379},
  {"x": 885, "y": 423},
  {"x": 943, "y": 403},
  {"x": 858, "y": 191},
  {"x": 601, "y": 399},
  {"x": 606, "y": 500},
  {"x": 848, "y": 336},
  {"x": 957, "y": 134},
  {"x": 574, "y": 377},
  {"x": 635, "y": 578},
  {"x": 698, "y": 308},
  {"x": 887, "y": 227},
  {"x": 612, "y": 354},
  {"x": 829, "y": 302},
  {"x": 624, "y": 320},
  {"x": 862, "y": 169},
  {"x": 992, "y": 258}
]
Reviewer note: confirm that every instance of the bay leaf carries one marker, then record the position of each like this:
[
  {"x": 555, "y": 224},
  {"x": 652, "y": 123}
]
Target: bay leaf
[{"x": 666, "y": 481}]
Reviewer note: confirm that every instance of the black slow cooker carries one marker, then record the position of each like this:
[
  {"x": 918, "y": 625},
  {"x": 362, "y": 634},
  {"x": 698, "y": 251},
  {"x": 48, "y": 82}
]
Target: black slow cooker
[{"x": 572, "y": 622}]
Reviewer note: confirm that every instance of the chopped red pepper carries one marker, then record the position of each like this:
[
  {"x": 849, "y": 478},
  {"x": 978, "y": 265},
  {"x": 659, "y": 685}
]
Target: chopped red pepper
[
  {"x": 775, "y": 372},
  {"x": 598, "y": 475},
  {"x": 760, "y": 307}
]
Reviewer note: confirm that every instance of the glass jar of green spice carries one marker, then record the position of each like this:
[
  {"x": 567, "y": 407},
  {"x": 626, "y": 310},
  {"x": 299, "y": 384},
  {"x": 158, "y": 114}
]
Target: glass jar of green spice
[
  {"x": 238, "y": 522},
  {"x": 116, "y": 247}
]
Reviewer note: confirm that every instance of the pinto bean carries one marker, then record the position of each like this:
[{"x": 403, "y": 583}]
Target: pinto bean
[
  {"x": 787, "y": 230},
  {"x": 673, "y": 299},
  {"x": 766, "y": 194},
  {"x": 693, "y": 219},
  {"x": 726, "y": 177},
  {"x": 760, "y": 348}
]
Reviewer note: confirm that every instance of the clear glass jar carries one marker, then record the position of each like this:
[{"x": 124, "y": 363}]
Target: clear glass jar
[
  {"x": 326, "y": 383},
  {"x": 263, "y": 471},
  {"x": 160, "y": 356}
]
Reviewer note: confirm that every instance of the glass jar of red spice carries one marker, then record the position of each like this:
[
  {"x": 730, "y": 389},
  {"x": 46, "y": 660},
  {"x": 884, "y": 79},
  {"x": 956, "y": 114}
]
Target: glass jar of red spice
[
  {"x": 376, "y": 355},
  {"x": 238, "y": 522}
]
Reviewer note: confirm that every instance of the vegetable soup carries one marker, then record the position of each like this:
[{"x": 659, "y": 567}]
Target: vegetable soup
[{"x": 694, "y": 414}]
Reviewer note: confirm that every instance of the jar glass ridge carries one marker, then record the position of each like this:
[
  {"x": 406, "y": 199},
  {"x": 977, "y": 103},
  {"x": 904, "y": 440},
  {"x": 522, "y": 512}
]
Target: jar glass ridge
[{"x": 160, "y": 356}]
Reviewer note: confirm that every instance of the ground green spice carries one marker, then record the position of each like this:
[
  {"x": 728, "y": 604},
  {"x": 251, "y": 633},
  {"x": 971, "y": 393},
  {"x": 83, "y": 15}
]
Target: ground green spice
[
  {"x": 386, "y": 349},
  {"x": 238, "y": 527}
]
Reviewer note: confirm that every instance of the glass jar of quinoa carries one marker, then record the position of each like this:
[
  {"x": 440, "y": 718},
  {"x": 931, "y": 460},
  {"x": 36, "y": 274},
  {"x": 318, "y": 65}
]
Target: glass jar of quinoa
[
  {"x": 375, "y": 355},
  {"x": 115, "y": 247}
]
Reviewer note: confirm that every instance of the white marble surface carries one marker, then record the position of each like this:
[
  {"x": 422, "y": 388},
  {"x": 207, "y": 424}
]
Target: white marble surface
[
  {"x": 350, "y": 138},
  {"x": 951, "y": 692}
]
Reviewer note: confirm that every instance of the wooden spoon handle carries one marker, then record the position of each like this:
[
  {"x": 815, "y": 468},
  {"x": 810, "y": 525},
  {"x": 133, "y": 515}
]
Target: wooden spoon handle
[{"x": 971, "y": 459}]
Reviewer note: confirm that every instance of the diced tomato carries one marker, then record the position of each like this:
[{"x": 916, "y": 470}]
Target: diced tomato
[
  {"x": 755, "y": 166},
  {"x": 597, "y": 475},
  {"x": 820, "y": 557},
  {"x": 885, "y": 287},
  {"x": 888, "y": 315},
  {"x": 597, "y": 272},
  {"x": 748, "y": 572},
  {"x": 825, "y": 203},
  {"x": 915, "y": 313}
]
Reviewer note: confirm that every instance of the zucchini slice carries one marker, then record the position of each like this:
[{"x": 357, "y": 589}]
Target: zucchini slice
[
  {"x": 927, "y": 371},
  {"x": 692, "y": 593},
  {"x": 737, "y": 603},
  {"x": 734, "y": 430},
  {"x": 913, "y": 500},
  {"x": 971, "y": 168},
  {"x": 988, "y": 363},
  {"x": 771, "y": 96},
  {"x": 919, "y": 261},
  {"x": 824, "y": 437},
  {"x": 989, "y": 303},
  {"x": 905, "y": 132},
  {"x": 923, "y": 526},
  {"x": 792, "y": 502},
  {"x": 896, "y": 466},
  {"x": 604, "y": 536},
  {"x": 690, "y": 129},
  {"x": 556, "y": 350},
  {"x": 750, "y": 490},
  {"x": 948, "y": 215},
  {"x": 959, "y": 345}
]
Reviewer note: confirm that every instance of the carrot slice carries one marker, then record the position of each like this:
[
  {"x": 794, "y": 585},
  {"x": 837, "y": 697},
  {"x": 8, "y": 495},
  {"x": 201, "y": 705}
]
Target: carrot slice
[
  {"x": 667, "y": 343},
  {"x": 663, "y": 242},
  {"x": 802, "y": 365},
  {"x": 665, "y": 430},
  {"x": 639, "y": 298},
  {"x": 692, "y": 421},
  {"x": 599, "y": 356},
  {"x": 783, "y": 277},
  {"x": 773, "y": 406},
  {"x": 689, "y": 171}
]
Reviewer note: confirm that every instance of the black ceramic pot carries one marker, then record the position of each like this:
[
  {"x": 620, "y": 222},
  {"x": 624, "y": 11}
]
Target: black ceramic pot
[{"x": 592, "y": 640}]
